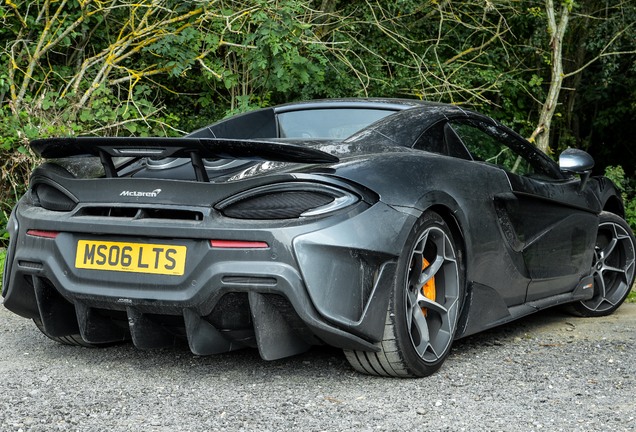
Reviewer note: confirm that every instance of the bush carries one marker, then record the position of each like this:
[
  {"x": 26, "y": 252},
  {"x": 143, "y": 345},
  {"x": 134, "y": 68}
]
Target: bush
[
  {"x": 627, "y": 187},
  {"x": 15, "y": 167},
  {"x": 3, "y": 255}
]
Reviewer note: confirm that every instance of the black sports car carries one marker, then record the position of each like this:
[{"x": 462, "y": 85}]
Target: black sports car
[{"x": 388, "y": 228}]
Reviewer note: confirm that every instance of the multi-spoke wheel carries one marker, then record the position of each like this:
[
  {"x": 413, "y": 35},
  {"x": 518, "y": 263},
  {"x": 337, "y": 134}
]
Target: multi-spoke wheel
[
  {"x": 424, "y": 308},
  {"x": 612, "y": 267}
]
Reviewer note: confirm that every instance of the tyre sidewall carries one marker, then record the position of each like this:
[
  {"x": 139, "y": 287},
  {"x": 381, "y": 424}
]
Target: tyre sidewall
[
  {"x": 579, "y": 308},
  {"x": 397, "y": 307}
]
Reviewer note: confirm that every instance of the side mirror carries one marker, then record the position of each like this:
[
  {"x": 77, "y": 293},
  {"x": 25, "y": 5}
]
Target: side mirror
[{"x": 578, "y": 162}]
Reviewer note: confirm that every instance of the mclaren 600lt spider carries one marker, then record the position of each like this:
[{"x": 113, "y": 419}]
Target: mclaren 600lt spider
[{"x": 387, "y": 228}]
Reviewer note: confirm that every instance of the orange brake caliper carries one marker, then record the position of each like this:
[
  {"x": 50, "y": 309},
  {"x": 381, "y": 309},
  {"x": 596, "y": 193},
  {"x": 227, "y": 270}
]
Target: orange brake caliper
[{"x": 429, "y": 287}]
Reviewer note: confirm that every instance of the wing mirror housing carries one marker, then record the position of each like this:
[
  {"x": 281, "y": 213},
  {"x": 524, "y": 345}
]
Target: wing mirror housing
[{"x": 577, "y": 162}]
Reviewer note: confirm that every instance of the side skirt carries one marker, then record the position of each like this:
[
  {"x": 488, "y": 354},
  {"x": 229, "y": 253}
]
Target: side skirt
[{"x": 484, "y": 308}]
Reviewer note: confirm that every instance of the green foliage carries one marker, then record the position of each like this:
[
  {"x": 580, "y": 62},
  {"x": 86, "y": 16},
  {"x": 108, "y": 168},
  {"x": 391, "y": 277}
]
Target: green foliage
[
  {"x": 15, "y": 160},
  {"x": 617, "y": 175},
  {"x": 3, "y": 255},
  {"x": 630, "y": 208},
  {"x": 162, "y": 67},
  {"x": 627, "y": 187},
  {"x": 631, "y": 297}
]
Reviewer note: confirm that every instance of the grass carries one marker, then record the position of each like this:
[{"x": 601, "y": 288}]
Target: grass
[
  {"x": 631, "y": 297},
  {"x": 3, "y": 253}
]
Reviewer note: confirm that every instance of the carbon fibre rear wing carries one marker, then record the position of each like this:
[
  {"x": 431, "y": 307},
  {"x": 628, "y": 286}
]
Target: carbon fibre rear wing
[{"x": 196, "y": 149}]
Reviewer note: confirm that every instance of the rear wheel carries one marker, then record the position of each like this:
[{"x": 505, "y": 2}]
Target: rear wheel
[
  {"x": 73, "y": 339},
  {"x": 612, "y": 268},
  {"x": 424, "y": 309}
]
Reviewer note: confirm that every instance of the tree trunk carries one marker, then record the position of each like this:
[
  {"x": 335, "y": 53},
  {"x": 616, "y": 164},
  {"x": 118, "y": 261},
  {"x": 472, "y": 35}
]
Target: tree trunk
[{"x": 541, "y": 135}]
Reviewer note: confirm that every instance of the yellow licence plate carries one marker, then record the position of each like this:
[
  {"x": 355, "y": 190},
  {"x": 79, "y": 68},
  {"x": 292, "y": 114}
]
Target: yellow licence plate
[{"x": 131, "y": 257}]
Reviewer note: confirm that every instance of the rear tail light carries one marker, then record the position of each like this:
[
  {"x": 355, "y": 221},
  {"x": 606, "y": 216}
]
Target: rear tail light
[
  {"x": 43, "y": 234},
  {"x": 238, "y": 244}
]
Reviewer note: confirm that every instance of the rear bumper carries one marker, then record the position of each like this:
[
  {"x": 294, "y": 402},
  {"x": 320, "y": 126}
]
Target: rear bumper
[{"x": 327, "y": 281}]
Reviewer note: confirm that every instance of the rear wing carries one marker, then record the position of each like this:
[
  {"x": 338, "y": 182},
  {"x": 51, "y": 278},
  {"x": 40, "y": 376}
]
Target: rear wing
[{"x": 196, "y": 149}]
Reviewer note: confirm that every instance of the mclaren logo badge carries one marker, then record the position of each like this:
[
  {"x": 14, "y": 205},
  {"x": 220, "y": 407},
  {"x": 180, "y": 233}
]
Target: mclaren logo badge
[{"x": 152, "y": 194}]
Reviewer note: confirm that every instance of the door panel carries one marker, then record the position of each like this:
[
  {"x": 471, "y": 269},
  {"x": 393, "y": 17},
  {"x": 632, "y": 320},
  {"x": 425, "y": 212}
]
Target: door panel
[
  {"x": 546, "y": 218},
  {"x": 556, "y": 227}
]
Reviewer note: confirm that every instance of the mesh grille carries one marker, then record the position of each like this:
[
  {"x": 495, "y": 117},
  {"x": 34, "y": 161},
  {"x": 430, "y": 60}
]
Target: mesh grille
[
  {"x": 141, "y": 213},
  {"x": 52, "y": 199},
  {"x": 279, "y": 205}
]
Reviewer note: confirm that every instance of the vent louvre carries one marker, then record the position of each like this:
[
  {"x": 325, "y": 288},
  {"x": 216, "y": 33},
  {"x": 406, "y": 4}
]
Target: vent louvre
[
  {"x": 52, "y": 198},
  {"x": 141, "y": 213},
  {"x": 277, "y": 205},
  {"x": 33, "y": 265}
]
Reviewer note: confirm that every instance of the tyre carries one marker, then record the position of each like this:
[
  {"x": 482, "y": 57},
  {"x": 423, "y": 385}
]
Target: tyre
[
  {"x": 424, "y": 307},
  {"x": 612, "y": 267},
  {"x": 74, "y": 339}
]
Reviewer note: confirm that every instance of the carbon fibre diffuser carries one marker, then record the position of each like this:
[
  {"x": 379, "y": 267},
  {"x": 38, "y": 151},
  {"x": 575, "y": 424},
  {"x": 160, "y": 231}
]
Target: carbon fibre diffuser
[{"x": 275, "y": 331}]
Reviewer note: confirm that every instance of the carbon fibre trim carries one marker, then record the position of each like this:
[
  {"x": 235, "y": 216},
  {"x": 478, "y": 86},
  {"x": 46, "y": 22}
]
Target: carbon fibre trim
[
  {"x": 273, "y": 327},
  {"x": 204, "y": 338},
  {"x": 156, "y": 147},
  {"x": 274, "y": 336},
  {"x": 98, "y": 329}
]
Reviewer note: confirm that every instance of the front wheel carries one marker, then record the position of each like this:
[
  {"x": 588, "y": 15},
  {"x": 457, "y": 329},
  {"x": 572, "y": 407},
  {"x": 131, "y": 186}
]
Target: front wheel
[
  {"x": 612, "y": 267},
  {"x": 424, "y": 309}
]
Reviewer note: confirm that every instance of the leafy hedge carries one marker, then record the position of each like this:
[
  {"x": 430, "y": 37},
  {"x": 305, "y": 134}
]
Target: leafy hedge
[
  {"x": 627, "y": 188},
  {"x": 163, "y": 67}
]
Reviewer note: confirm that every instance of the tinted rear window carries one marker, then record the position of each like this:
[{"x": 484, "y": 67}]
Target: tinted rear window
[{"x": 327, "y": 123}]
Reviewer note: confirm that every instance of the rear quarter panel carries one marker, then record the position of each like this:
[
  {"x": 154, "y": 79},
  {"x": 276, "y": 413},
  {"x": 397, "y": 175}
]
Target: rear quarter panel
[{"x": 416, "y": 181}]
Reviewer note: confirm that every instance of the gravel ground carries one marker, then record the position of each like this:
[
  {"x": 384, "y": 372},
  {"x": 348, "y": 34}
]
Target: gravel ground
[{"x": 548, "y": 372}]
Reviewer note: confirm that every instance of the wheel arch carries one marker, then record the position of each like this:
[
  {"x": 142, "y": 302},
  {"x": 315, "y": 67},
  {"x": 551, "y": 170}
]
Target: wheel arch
[
  {"x": 614, "y": 205},
  {"x": 406, "y": 349},
  {"x": 451, "y": 211},
  {"x": 608, "y": 196},
  {"x": 460, "y": 240},
  {"x": 449, "y": 217}
]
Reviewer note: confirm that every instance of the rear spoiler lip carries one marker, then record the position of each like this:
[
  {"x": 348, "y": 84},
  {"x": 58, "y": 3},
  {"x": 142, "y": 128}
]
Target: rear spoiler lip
[{"x": 51, "y": 148}]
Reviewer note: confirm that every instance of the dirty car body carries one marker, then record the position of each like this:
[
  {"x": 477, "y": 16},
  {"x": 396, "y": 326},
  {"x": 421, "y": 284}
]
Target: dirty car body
[{"x": 388, "y": 228}]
